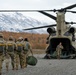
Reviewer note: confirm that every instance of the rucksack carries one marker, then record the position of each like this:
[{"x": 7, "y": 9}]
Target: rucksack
[
  {"x": 19, "y": 47},
  {"x": 2, "y": 46},
  {"x": 31, "y": 60},
  {"x": 26, "y": 46},
  {"x": 10, "y": 47}
]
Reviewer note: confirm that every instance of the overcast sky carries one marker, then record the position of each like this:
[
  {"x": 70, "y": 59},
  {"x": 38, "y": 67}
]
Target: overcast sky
[{"x": 38, "y": 5}]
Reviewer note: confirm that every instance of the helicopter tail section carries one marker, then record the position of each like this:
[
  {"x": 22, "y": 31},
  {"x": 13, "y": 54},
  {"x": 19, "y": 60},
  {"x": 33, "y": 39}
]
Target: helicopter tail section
[{"x": 67, "y": 51}]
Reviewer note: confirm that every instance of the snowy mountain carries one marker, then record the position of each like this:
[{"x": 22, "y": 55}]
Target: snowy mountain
[{"x": 16, "y": 22}]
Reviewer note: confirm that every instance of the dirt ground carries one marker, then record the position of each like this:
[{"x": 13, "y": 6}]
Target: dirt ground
[
  {"x": 45, "y": 66},
  {"x": 38, "y": 51}
]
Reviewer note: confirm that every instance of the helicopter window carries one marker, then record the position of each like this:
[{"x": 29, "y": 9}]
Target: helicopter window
[{"x": 67, "y": 33}]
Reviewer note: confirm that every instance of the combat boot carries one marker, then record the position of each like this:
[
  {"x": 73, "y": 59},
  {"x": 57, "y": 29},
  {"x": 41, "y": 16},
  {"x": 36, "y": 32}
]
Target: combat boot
[
  {"x": 13, "y": 68},
  {"x": 7, "y": 66},
  {"x": 16, "y": 67},
  {"x": 25, "y": 66},
  {"x": 0, "y": 73}
]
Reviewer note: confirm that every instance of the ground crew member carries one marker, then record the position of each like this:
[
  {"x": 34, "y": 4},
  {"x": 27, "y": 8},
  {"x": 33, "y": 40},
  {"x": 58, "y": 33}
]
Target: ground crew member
[
  {"x": 59, "y": 50},
  {"x": 19, "y": 53},
  {"x": 2, "y": 50},
  {"x": 27, "y": 50},
  {"x": 48, "y": 53},
  {"x": 47, "y": 56},
  {"x": 10, "y": 53}
]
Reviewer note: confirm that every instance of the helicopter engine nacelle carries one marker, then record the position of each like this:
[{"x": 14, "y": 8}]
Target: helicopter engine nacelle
[
  {"x": 51, "y": 30},
  {"x": 72, "y": 30}
]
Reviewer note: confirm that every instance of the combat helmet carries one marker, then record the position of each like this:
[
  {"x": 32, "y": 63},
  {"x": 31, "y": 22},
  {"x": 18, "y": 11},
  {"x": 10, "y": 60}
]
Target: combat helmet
[
  {"x": 20, "y": 38},
  {"x": 11, "y": 38},
  {"x": 1, "y": 35}
]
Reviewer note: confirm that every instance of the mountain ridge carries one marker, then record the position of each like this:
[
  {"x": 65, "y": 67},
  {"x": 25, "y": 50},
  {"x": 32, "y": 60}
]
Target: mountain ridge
[{"x": 16, "y": 22}]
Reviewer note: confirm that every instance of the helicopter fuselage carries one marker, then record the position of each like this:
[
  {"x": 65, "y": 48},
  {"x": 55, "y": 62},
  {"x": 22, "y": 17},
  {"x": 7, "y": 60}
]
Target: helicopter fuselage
[{"x": 62, "y": 35}]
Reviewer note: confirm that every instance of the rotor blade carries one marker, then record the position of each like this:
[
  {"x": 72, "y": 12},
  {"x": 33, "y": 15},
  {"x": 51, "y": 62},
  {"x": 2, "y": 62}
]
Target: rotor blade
[
  {"x": 19, "y": 10},
  {"x": 70, "y": 22},
  {"x": 24, "y": 10},
  {"x": 49, "y": 15},
  {"x": 69, "y": 7},
  {"x": 72, "y": 11},
  {"x": 40, "y": 27}
]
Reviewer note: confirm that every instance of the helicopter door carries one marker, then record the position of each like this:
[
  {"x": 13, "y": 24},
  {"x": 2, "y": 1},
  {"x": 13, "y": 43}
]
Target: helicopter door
[{"x": 65, "y": 42}]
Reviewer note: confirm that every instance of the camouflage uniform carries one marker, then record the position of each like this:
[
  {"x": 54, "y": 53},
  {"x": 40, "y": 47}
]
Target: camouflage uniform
[
  {"x": 26, "y": 51},
  {"x": 10, "y": 46},
  {"x": 2, "y": 50},
  {"x": 59, "y": 50},
  {"x": 19, "y": 53}
]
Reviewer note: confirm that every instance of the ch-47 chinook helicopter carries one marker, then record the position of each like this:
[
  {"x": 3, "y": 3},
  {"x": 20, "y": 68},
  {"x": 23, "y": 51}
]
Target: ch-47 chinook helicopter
[{"x": 63, "y": 33}]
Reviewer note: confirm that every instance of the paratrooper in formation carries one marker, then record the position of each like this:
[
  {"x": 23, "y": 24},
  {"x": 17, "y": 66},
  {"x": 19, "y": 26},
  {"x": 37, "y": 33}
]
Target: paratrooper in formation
[{"x": 15, "y": 52}]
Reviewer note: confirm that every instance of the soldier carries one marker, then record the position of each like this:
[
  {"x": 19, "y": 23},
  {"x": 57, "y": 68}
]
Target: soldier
[
  {"x": 59, "y": 50},
  {"x": 2, "y": 50},
  {"x": 10, "y": 46},
  {"x": 19, "y": 53},
  {"x": 26, "y": 51}
]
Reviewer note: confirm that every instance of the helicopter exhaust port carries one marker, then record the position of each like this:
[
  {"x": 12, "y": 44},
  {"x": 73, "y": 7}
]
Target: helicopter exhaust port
[
  {"x": 72, "y": 30},
  {"x": 51, "y": 30},
  {"x": 68, "y": 48}
]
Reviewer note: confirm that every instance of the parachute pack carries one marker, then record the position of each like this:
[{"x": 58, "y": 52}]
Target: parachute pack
[
  {"x": 10, "y": 47},
  {"x": 2, "y": 46},
  {"x": 19, "y": 47},
  {"x": 26, "y": 46}
]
